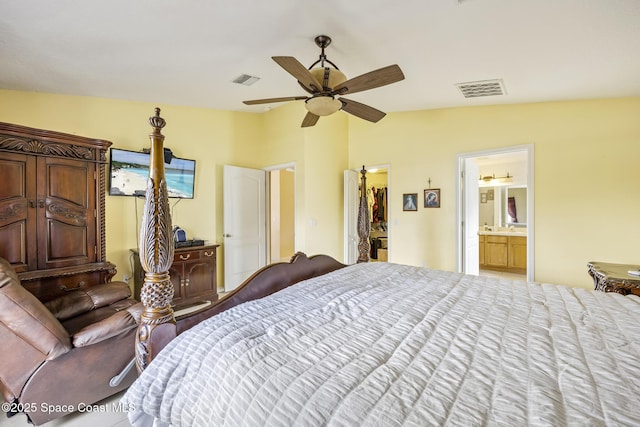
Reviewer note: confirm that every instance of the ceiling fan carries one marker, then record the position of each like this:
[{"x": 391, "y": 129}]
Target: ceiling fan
[{"x": 324, "y": 84}]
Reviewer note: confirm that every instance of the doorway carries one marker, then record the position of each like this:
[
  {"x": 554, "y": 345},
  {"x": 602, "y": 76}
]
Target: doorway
[
  {"x": 259, "y": 219},
  {"x": 495, "y": 212},
  {"x": 378, "y": 194},
  {"x": 281, "y": 214}
]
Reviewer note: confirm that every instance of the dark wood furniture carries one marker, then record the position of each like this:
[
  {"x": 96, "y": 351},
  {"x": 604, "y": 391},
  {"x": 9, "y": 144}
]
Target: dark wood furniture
[
  {"x": 52, "y": 209},
  {"x": 68, "y": 331},
  {"x": 609, "y": 277},
  {"x": 193, "y": 274}
]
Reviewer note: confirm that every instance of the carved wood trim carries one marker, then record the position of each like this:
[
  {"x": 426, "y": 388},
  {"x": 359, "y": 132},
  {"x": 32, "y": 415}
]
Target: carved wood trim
[
  {"x": 101, "y": 244},
  {"x": 364, "y": 223},
  {"x": 26, "y": 140},
  {"x": 34, "y": 146},
  {"x": 157, "y": 323},
  {"x": 13, "y": 210}
]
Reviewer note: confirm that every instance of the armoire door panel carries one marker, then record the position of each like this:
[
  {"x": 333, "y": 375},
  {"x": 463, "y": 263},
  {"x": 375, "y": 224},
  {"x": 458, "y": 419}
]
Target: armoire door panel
[
  {"x": 13, "y": 238},
  {"x": 14, "y": 169},
  {"x": 66, "y": 226},
  {"x": 66, "y": 180},
  {"x": 67, "y": 245},
  {"x": 17, "y": 210}
]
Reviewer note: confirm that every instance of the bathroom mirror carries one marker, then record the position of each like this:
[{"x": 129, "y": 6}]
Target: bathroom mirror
[
  {"x": 513, "y": 206},
  {"x": 496, "y": 203}
]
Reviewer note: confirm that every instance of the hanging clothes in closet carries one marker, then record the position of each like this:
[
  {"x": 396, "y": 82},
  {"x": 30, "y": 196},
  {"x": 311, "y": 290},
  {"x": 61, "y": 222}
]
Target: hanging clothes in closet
[
  {"x": 377, "y": 203},
  {"x": 375, "y": 208},
  {"x": 378, "y": 207},
  {"x": 381, "y": 199}
]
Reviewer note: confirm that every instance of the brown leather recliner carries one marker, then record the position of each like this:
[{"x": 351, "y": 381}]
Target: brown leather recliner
[{"x": 67, "y": 354}]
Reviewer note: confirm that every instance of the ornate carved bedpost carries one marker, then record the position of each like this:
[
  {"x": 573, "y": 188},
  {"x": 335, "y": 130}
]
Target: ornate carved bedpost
[
  {"x": 157, "y": 325},
  {"x": 364, "y": 224}
]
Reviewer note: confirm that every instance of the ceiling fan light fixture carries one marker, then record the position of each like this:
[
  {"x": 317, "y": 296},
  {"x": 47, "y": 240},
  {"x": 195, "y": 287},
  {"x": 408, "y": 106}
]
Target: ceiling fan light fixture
[
  {"x": 322, "y": 105},
  {"x": 323, "y": 84}
]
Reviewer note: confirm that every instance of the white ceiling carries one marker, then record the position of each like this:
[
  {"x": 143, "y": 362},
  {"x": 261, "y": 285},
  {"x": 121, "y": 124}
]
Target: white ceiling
[{"x": 187, "y": 52}]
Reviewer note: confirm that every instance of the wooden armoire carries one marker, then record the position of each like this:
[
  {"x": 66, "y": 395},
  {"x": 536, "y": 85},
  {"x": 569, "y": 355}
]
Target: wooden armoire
[{"x": 52, "y": 210}]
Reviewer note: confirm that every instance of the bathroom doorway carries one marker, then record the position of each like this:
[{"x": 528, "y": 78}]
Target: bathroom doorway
[{"x": 495, "y": 212}]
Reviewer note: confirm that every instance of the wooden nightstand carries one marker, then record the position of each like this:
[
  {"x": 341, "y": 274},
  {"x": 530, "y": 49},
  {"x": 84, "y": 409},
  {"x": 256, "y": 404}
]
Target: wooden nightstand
[
  {"x": 193, "y": 274},
  {"x": 614, "y": 278}
]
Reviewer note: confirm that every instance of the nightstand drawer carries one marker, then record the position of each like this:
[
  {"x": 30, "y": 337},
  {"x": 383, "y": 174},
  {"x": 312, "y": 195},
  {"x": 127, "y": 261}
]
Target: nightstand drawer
[{"x": 187, "y": 255}]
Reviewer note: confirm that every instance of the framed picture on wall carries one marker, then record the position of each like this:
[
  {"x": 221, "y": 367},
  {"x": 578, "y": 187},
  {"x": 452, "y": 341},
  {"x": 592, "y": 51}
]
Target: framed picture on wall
[
  {"x": 490, "y": 194},
  {"x": 432, "y": 198},
  {"x": 410, "y": 202},
  {"x": 483, "y": 197}
]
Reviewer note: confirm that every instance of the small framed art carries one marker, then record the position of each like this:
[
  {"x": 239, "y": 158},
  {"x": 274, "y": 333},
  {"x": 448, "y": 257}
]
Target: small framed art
[
  {"x": 432, "y": 198},
  {"x": 410, "y": 202}
]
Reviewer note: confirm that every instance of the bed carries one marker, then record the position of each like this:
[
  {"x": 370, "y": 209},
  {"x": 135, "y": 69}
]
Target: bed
[
  {"x": 314, "y": 342},
  {"x": 388, "y": 344}
]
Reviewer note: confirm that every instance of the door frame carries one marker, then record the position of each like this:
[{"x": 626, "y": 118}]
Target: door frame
[{"x": 460, "y": 238}]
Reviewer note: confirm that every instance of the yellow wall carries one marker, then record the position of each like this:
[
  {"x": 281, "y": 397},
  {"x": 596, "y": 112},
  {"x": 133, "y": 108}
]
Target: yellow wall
[
  {"x": 586, "y": 178},
  {"x": 320, "y": 157},
  {"x": 326, "y": 151},
  {"x": 587, "y": 182}
]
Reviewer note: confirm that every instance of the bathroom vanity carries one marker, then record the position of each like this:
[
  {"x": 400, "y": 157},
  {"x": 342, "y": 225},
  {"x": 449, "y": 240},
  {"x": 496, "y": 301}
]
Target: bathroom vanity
[{"x": 503, "y": 249}]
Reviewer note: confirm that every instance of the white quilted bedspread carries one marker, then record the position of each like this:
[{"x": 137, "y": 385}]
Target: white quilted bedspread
[{"x": 388, "y": 345}]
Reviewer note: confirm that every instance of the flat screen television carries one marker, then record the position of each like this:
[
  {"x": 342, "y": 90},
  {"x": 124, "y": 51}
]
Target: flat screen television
[{"x": 129, "y": 171}]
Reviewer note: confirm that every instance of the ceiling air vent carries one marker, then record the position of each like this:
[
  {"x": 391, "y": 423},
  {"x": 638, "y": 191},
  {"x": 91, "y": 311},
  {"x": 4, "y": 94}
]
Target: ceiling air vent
[
  {"x": 245, "y": 79},
  {"x": 481, "y": 88}
]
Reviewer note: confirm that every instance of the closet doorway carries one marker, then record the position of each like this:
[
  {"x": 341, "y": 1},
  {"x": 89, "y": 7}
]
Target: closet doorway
[{"x": 378, "y": 185}]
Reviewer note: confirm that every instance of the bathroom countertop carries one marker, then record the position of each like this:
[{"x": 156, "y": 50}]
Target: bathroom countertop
[{"x": 516, "y": 232}]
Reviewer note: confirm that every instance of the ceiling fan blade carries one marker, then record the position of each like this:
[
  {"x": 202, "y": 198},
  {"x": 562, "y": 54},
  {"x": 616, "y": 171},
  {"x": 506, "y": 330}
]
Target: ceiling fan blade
[
  {"x": 370, "y": 80},
  {"x": 270, "y": 100},
  {"x": 292, "y": 66},
  {"x": 361, "y": 110},
  {"x": 309, "y": 120}
]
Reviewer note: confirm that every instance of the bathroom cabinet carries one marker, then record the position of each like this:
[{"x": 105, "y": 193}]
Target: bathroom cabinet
[{"x": 501, "y": 251}]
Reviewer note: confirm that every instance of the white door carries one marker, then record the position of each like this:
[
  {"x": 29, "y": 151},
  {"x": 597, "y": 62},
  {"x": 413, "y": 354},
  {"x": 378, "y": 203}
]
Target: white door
[
  {"x": 470, "y": 207},
  {"x": 244, "y": 224},
  {"x": 351, "y": 198}
]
